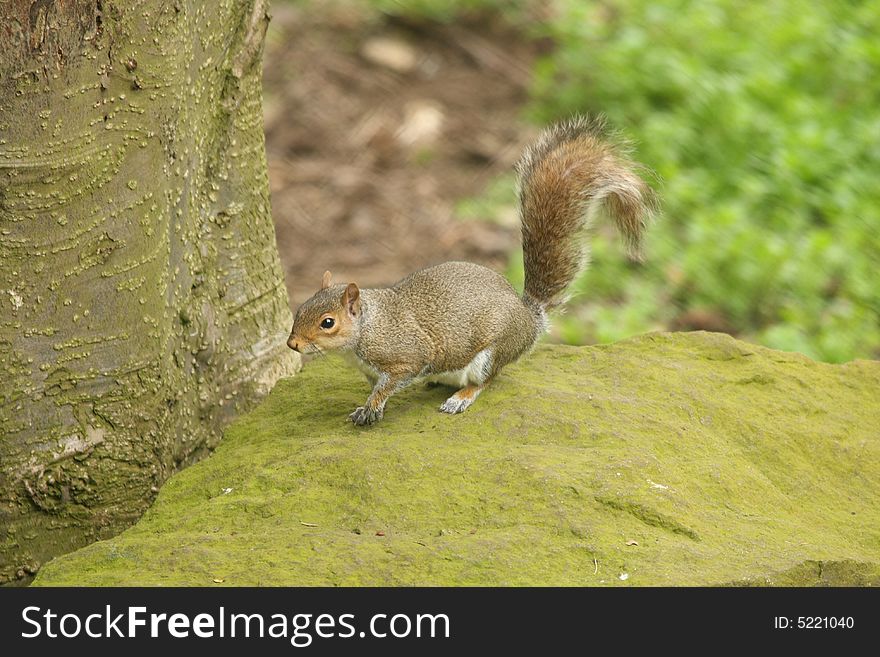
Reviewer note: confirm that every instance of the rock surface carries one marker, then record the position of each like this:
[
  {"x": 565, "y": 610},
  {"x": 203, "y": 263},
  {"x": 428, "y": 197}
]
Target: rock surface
[{"x": 669, "y": 459}]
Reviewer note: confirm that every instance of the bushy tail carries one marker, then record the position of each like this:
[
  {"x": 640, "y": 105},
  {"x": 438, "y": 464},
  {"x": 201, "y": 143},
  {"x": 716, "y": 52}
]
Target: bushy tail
[{"x": 571, "y": 170}]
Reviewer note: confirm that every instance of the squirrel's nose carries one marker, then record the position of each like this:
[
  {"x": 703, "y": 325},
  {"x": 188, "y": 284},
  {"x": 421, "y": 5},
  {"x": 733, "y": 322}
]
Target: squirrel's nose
[{"x": 293, "y": 344}]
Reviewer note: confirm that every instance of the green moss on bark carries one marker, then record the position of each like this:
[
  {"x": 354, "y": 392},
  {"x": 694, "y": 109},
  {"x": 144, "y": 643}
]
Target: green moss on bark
[
  {"x": 676, "y": 459},
  {"x": 141, "y": 298}
]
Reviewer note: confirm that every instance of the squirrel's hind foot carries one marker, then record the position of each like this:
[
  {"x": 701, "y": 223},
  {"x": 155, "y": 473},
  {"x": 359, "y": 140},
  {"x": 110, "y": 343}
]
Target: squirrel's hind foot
[
  {"x": 363, "y": 416},
  {"x": 461, "y": 400}
]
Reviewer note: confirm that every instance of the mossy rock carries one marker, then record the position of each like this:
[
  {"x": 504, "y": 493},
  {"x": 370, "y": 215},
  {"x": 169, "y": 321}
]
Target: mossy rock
[{"x": 669, "y": 459}]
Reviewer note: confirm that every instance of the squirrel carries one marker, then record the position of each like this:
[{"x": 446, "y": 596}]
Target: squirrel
[{"x": 459, "y": 323}]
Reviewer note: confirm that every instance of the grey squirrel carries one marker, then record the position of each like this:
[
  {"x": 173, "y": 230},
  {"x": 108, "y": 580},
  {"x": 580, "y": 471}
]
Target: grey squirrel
[{"x": 459, "y": 323}]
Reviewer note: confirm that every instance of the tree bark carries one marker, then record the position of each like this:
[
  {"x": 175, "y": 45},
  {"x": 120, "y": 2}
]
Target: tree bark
[{"x": 141, "y": 297}]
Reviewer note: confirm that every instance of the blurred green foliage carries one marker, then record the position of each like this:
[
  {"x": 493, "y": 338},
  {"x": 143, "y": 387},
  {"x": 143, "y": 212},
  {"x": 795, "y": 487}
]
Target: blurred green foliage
[{"x": 763, "y": 122}]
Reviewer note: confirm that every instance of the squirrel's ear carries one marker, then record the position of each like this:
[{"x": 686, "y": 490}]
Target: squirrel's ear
[
  {"x": 351, "y": 299},
  {"x": 325, "y": 280}
]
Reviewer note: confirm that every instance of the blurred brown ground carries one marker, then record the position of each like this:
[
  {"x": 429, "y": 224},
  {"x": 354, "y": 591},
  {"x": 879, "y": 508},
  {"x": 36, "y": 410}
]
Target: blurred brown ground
[{"x": 375, "y": 129}]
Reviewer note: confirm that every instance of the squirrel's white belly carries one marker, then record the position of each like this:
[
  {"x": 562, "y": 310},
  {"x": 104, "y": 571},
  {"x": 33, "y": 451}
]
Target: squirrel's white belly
[{"x": 475, "y": 373}]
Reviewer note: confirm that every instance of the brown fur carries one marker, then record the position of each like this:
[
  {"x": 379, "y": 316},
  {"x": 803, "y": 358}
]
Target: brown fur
[
  {"x": 462, "y": 318},
  {"x": 572, "y": 169}
]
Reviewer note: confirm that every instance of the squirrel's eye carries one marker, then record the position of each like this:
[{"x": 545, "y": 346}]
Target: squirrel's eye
[{"x": 327, "y": 323}]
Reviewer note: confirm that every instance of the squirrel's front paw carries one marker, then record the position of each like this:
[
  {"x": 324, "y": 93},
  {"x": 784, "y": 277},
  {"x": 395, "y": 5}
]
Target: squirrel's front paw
[{"x": 364, "y": 416}]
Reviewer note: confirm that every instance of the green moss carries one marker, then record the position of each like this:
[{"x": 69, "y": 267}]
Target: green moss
[
  {"x": 142, "y": 300},
  {"x": 726, "y": 463}
]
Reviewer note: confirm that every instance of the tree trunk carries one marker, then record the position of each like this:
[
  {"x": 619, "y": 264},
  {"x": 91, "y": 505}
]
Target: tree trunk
[{"x": 141, "y": 297}]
